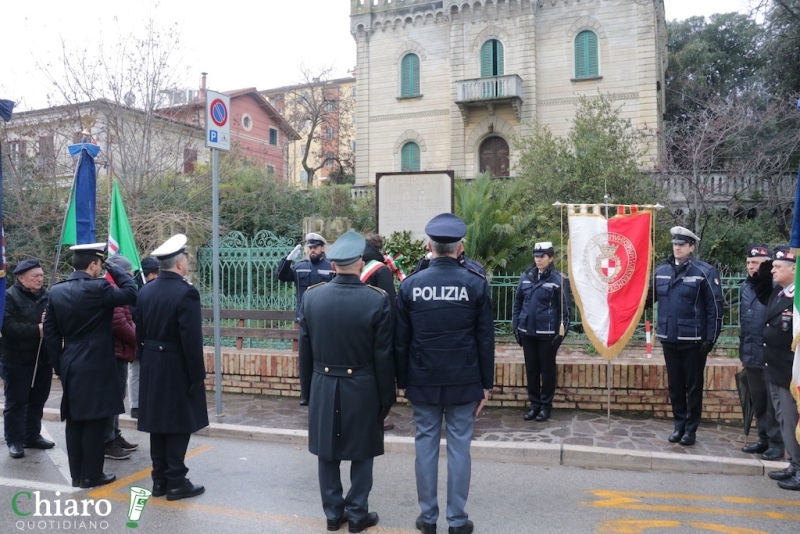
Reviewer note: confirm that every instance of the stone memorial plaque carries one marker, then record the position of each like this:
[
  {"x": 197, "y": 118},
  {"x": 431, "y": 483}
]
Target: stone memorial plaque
[{"x": 408, "y": 200}]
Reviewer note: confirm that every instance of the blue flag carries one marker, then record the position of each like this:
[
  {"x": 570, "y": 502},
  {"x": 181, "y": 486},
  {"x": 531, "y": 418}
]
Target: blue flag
[
  {"x": 81, "y": 224},
  {"x": 6, "y": 108}
]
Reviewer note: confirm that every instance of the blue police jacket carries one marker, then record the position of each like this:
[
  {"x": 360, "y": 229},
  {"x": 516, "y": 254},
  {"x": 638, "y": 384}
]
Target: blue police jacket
[
  {"x": 305, "y": 274},
  {"x": 542, "y": 303},
  {"x": 689, "y": 300},
  {"x": 444, "y": 327},
  {"x": 752, "y": 317}
]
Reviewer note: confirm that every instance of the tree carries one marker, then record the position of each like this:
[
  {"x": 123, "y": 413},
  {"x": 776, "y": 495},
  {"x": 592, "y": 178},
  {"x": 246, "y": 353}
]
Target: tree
[{"x": 782, "y": 46}]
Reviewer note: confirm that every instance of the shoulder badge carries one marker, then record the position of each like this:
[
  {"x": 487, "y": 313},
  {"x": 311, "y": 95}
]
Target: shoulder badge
[
  {"x": 473, "y": 271},
  {"x": 316, "y": 285},
  {"x": 379, "y": 290}
]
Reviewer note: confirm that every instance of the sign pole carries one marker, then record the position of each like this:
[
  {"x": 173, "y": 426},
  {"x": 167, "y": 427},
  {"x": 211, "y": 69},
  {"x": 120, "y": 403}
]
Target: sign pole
[{"x": 215, "y": 275}]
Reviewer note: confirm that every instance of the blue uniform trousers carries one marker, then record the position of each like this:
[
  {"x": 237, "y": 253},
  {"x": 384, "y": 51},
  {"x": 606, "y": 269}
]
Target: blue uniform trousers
[
  {"x": 24, "y": 405},
  {"x": 460, "y": 421},
  {"x": 168, "y": 451},
  {"x": 330, "y": 487},
  {"x": 685, "y": 379}
]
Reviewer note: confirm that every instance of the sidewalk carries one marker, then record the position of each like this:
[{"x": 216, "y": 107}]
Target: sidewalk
[{"x": 574, "y": 438}]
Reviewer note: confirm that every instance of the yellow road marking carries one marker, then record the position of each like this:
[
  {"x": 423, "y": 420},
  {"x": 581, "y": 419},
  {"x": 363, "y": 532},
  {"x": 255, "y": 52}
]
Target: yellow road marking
[{"x": 639, "y": 526}]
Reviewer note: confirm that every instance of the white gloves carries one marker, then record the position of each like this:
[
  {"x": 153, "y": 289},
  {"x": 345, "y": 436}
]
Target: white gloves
[{"x": 294, "y": 253}]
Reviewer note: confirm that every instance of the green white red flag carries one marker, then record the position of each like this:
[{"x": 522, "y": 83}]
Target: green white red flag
[{"x": 120, "y": 235}]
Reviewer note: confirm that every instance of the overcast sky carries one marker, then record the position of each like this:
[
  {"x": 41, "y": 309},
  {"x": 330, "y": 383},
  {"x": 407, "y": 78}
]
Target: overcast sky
[{"x": 239, "y": 43}]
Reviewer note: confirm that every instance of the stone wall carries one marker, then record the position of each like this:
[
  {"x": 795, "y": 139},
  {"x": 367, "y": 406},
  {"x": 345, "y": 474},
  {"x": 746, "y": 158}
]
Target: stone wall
[{"x": 638, "y": 384}]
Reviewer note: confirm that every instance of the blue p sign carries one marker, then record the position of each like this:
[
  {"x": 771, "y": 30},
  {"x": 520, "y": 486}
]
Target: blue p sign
[{"x": 212, "y": 136}]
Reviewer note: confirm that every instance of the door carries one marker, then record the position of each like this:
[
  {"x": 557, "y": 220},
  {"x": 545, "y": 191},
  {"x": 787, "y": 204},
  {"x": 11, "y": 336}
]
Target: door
[{"x": 494, "y": 156}]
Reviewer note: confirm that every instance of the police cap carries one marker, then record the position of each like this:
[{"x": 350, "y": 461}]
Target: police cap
[
  {"x": 446, "y": 228},
  {"x": 315, "y": 240},
  {"x": 172, "y": 247},
  {"x": 347, "y": 249},
  {"x": 784, "y": 253},
  {"x": 93, "y": 249},
  {"x": 26, "y": 265},
  {"x": 683, "y": 236},
  {"x": 757, "y": 250},
  {"x": 543, "y": 248}
]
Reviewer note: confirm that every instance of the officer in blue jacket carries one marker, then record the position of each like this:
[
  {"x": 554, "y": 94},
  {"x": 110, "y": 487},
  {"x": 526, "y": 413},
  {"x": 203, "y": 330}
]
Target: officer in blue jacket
[
  {"x": 540, "y": 321},
  {"x": 307, "y": 272},
  {"x": 444, "y": 348},
  {"x": 690, "y": 303}
]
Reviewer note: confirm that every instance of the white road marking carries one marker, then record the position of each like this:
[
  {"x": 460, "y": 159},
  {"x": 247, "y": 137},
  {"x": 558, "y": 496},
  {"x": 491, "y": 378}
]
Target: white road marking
[
  {"x": 36, "y": 485},
  {"x": 58, "y": 456}
]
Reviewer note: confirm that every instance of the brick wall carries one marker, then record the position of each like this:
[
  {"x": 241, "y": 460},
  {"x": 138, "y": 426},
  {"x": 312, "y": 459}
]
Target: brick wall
[{"x": 638, "y": 384}]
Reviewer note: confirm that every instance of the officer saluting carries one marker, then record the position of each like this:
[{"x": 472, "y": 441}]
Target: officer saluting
[
  {"x": 347, "y": 375},
  {"x": 172, "y": 397},
  {"x": 77, "y": 335},
  {"x": 689, "y": 322},
  {"x": 306, "y": 272}
]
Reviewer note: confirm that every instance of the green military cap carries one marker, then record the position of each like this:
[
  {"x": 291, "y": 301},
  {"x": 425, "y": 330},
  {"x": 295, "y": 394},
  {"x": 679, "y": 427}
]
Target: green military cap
[{"x": 347, "y": 249}]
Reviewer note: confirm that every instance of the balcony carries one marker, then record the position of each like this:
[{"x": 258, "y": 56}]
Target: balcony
[{"x": 488, "y": 92}]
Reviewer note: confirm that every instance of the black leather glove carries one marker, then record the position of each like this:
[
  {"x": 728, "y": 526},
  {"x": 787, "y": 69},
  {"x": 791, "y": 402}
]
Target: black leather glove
[
  {"x": 705, "y": 347},
  {"x": 195, "y": 387},
  {"x": 765, "y": 269},
  {"x": 556, "y": 341},
  {"x": 384, "y": 412}
]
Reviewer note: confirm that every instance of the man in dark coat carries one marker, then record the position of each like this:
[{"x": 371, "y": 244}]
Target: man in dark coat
[
  {"x": 24, "y": 366},
  {"x": 77, "y": 335},
  {"x": 751, "y": 353},
  {"x": 172, "y": 397},
  {"x": 779, "y": 356},
  {"x": 347, "y": 375}
]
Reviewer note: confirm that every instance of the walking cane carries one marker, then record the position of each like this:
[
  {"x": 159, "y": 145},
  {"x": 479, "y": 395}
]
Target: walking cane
[{"x": 36, "y": 365}]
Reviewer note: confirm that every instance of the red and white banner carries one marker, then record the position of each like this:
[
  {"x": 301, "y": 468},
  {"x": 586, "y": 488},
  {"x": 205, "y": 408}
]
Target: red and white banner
[{"x": 609, "y": 267}]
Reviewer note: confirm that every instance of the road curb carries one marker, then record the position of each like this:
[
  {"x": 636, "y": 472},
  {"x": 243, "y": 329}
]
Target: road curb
[{"x": 546, "y": 454}]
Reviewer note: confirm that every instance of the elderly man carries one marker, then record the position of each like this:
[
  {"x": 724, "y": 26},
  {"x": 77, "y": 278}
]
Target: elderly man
[
  {"x": 690, "y": 301},
  {"x": 24, "y": 366},
  {"x": 172, "y": 394},
  {"x": 444, "y": 347},
  {"x": 307, "y": 272},
  {"x": 349, "y": 383},
  {"x": 77, "y": 335}
]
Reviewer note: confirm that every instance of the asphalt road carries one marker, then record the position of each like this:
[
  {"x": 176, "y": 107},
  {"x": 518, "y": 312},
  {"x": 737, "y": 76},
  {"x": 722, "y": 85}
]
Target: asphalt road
[{"x": 258, "y": 487}]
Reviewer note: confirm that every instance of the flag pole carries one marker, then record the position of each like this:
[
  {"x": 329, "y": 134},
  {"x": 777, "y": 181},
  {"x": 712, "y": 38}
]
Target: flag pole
[{"x": 64, "y": 222}]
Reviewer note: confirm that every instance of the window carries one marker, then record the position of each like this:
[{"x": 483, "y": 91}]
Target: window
[
  {"x": 329, "y": 160},
  {"x": 18, "y": 149},
  {"x": 303, "y": 150},
  {"x": 409, "y": 157},
  {"x": 586, "y": 55},
  {"x": 271, "y": 169},
  {"x": 304, "y": 177},
  {"x": 409, "y": 75},
  {"x": 189, "y": 160},
  {"x": 329, "y": 132},
  {"x": 353, "y": 92},
  {"x": 353, "y": 146},
  {"x": 47, "y": 154},
  {"x": 492, "y": 58},
  {"x": 329, "y": 106},
  {"x": 273, "y": 137},
  {"x": 353, "y": 118},
  {"x": 247, "y": 122}
]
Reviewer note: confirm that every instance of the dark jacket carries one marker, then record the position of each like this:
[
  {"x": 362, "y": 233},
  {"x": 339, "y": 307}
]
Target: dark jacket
[
  {"x": 169, "y": 333},
  {"x": 689, "y": 300},
  {"x": 381, "y": 277},
  {"x": 305, "y": 273},
  {"x": 124, "y": 334},
  {"x": 542, "y": 303},
  {"x": 23, "y": 313},
  {"x": 346, "y": 368},
  {"x": 444, "y": 331},
  {"x": 752, "y": 317},
  {"x": 79, "y": 314}
]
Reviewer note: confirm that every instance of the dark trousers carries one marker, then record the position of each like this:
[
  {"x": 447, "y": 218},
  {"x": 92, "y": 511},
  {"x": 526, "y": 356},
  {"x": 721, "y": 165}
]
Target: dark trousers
[
  {"x": 168, "y": 451},
  {"x": 769, "y": 431},
  {"x": 85, "y": 447},
  {"x": 540, "y": 365},
  {"x": 685, "y": 368},
  {"x": 24, "y": 405},
  {"x": 330, "y": 487},
  {"x": 112, "y": 427}
]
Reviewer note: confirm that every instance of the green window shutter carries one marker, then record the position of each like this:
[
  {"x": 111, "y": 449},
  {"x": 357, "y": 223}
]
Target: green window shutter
[
  {"x": 498, "y": 64},
  {"x": 409, "y": 69},
  {"x": 487, "y": 55},
  {"x": 409, "y": 158},
  {"x": 586, "y": 55},
  {"x": 592, "y": 64}
]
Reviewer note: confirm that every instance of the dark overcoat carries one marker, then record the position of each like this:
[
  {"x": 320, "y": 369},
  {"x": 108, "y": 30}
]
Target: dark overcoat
[
  {"x": 346, "y": 368},
  {"x": 77, "y": 334},
  {"x": 778, "y": 334},
  {"x": 22, "y": 315},
  {"x": 169, "y": 333}
]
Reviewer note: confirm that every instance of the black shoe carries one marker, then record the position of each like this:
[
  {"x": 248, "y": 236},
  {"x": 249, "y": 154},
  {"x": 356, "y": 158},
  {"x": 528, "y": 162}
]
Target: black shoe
[
  {"x": 791, "y": 484},
  {"x": 688, "y": 439},
  {"x": 425, "y": 528},
  {"x": 357, "y": 526},
  {"x": 336, "y": 524},
  {"x": 15, "y": 450},
  {"x": 102, "y": 480},
  {"x": 772, "y": 454},
  {"x": 76, "y": 483},
  {"x": 675, "y": 437},
  {"x": 544, "y": 415},
  {"x": 159, "y": 489},
  {"x": 303, "y": 402},
  {"x": 783, "y": 474},
  {"x": 39, "y": 443},
  {"x": 134, "y": 413},
  {"x": 531, "y": 414},
  {"x": 755, "y": 448},
  {"x": 466, "y": 528},
  {"x": 184, "y": 492}
]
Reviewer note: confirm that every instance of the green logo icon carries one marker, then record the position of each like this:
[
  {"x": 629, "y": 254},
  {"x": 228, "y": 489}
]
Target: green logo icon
[{"x": 139, "y": 498}]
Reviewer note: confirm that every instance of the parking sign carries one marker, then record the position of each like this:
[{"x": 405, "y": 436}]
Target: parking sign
[{"x": 218, "y": 124}]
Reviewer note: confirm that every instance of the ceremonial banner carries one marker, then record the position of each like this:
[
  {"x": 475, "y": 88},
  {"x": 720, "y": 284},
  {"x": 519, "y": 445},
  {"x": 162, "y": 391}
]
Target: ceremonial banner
[
  {"x": 609, "y": 267},
  {"x": 6, "y": 108},
  {"x": 80, "y": 223},
  {"x": 120, "y": 235},
  {"x": 794, "y": 243}
]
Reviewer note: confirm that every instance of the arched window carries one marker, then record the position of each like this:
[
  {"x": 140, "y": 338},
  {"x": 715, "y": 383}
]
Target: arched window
[
  {"x": 409, "y": 75},
  {"x": 409, "y": 157},
  {"x": 492, "y": 58},
  {"x": 586, "y": 55}
]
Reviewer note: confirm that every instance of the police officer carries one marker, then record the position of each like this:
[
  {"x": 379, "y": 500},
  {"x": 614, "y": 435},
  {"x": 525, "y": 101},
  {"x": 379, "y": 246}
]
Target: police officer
[
  {"x": 444, "y": 346},
  {"x": 540, "y": 320},
  {"x": 307, "y": 272},
  {"x": 690, "y": 301},
  {"x": 149, "y": 272},
  {"x": 169, "y": 333},
  {"x": 24, "y": 366},
  {"x": 778, "y": 354},
  {"x": 77, "y": 335},
  {"x": 751, "y": 353},
  {"x": 347, "y": 375}
]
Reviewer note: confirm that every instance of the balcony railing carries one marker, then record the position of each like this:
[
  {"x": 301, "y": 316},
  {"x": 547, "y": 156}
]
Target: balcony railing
[{"x": 490, "y": 88}]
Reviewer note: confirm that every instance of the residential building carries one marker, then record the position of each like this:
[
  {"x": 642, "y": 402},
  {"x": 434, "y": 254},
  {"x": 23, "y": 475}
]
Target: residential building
[{"x": 449, "y": 84}]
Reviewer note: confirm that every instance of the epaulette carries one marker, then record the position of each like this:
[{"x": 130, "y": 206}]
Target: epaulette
[
  {"x": 473, "y": 271},
  {"x": 379, "y": 290},
  {"x": 316, "y": 285}
]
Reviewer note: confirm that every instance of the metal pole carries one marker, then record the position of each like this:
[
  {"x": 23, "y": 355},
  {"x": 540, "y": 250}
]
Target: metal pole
[
  {"x": 215, "y": 275},
  {"x": 608, "y": 400}
]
